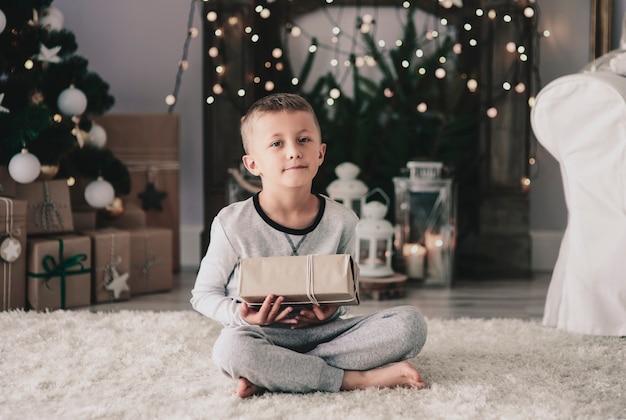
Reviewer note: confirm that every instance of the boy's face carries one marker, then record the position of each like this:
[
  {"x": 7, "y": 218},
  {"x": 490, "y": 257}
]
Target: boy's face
[{"x": 284, "y": 149}]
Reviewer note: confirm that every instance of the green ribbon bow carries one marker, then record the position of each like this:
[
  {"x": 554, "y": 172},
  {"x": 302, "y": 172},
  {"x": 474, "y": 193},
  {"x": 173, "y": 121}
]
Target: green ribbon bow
[{"x": 61, "y": 269}]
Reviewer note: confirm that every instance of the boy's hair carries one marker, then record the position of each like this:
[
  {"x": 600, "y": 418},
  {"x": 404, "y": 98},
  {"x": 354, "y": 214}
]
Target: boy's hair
[{"x": 276, "y": 102}]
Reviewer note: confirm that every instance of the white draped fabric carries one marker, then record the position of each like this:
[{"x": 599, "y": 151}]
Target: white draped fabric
[{"x": 581, "y": 120}]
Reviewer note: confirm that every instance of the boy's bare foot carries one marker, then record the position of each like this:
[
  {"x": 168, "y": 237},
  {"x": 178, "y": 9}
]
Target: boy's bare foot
[
  {"x": 396, "y": 374},
  {"x": 246, "y": 389}
]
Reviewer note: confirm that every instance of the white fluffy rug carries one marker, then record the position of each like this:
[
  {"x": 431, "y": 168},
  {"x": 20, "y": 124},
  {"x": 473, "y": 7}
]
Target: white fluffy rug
[{"x": 78, "y": 365}]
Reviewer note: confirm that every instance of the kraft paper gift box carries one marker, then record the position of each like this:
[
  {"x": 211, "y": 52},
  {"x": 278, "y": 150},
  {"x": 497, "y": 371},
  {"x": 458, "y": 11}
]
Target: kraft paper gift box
[
  {"x": 150, "y": 260},
  {"x": 84, "y": 220},
  {"x": 110, "y": 251},
  {"x": 49, "y": 208},
  {"x": 134, "y": 217},
  {"x": 13, "y": 253},
  {"x": 148, "y": 144},
  {"x": 305, "y": 279},
  {"x": 7, "y": 184},
  {"x": 59, "y": 272}
]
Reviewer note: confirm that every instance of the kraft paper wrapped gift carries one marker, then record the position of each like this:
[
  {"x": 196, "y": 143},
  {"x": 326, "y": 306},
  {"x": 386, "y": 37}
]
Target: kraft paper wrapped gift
[
  {"x": 84, "y": 220},
  {"x": 134, "y": 217},
  {"x": 7, "y": 184},
  {"x": 110, "y": 250},
  {"x": 59, "y": 272},
  {"x": 150, "y": 260},
  {"x": 148, "y": 144},
  {"x": 49, "y": 208},
  {"x": 12, "y": 253},
  {"x": 305, "y": 279}
]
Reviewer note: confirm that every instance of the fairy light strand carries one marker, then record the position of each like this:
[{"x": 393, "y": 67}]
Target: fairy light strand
[{"x": 192, "y": 32}]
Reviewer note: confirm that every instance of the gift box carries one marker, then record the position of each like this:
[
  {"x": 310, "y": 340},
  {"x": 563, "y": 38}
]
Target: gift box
[
  {"x": 133, "y": 218},
  {"x": 84, "y": 220},
  {"x": 150, "y": 260},
  {"x": 13, "y": 253},
  {"x": 59, "y": 272},
  {"x": 7, "y": 184},
  {"x": 148, "y": 144},
  {"x": 110, "y": 253},
  {"x": 319, "y": 279},
  {"x": 49, "y": 208}
]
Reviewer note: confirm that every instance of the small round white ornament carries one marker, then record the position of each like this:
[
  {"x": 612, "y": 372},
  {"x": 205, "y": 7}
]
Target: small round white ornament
[
  {"x": 10, "y": 249},
  {"x": 24, "y": 167},
  {"x": 99, "y": 193},
  {"x": 3, "y": 21},
  {"x": 97, "y": 136},
  {"x": 72, "y": 101}
]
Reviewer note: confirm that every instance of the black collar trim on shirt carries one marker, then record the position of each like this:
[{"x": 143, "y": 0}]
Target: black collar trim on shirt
[{"x": 318, "y": 218}]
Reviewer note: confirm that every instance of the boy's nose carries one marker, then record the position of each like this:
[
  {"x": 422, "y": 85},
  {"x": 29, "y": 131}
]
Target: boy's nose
[{"x": 294, "y": 152}]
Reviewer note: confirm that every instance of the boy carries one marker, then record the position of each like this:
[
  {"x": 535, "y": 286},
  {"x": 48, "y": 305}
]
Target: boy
[{"x": 279, "y": 348}]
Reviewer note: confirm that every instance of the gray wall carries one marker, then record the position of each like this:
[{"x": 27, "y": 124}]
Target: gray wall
[{"x": 135, "y": 46}]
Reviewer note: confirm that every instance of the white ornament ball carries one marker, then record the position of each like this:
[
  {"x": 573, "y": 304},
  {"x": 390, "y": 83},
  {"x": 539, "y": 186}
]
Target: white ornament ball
[
  {"x": 24, "y": 167},
  {"x": 52, "y": 17},
  {"x": 99, "y": 193},
  {"x": 72, "y": 101},
  {"x": 97, "y": 135},
  {"x": 3, "y": 21}
]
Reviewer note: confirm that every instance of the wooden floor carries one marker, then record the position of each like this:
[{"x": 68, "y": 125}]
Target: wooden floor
[{"x": 511, "y": 298}]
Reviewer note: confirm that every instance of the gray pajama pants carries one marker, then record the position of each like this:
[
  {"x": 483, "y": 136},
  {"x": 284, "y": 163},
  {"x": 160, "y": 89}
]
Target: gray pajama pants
[{"x": 313, "y": 359}]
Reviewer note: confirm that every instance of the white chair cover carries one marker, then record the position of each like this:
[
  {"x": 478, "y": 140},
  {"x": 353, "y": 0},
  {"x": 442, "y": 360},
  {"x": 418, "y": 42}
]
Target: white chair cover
[{"x": 581, "y": 120}]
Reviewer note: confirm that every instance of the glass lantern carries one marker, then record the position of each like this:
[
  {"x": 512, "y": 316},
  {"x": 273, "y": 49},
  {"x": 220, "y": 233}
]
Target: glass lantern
[
  {"x": 426, "y": 224},
  {"x": 374, "y": 239},
  {"x": 347, "y": 189}
]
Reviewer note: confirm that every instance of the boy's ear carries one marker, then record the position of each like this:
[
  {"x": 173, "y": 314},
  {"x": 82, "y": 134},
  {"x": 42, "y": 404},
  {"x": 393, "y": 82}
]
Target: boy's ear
[
  {"x": 250, "y": 164},
  {"x": 322, "y": 153}
]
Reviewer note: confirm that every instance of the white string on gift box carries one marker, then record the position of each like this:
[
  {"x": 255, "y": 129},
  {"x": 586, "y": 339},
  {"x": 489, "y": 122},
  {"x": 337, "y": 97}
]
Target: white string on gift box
[
  {"x": 6, "y": 265},
  {"x": 112, "y": 274},
  {"x": 310, "y": 287},
  {"x": 6, "y": 300},
  {"x": 48, "y": 214},
  {"x": 114, "y": 262},
  {"x": 150, "y": 259}
]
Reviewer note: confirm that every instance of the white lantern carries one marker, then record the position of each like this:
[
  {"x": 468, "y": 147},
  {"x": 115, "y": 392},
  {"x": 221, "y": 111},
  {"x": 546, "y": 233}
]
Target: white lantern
[
  {"x": 374, "y": 238},
  {"x": 347, "y": 189}
]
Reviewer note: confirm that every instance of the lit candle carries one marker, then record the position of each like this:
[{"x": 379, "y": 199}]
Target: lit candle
[
  {"x": 434, "y": 252},
  {"x": 414, "y": 260}
]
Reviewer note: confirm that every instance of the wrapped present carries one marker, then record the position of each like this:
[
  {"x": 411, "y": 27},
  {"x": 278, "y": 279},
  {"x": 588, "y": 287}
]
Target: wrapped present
[
  {"x": 110, "y": 251},
  {"x": 59, "y": 272},
  {"x": 84, "y": 220},
  {"x": 133, "y": 217},
  {"x": 151, "y": 260},
  {"x": 148, "y": 144},
  {"x": 7, "y": 184},
  {"x": 303, "y": 279},
  {"x": 49, "y": 208},
  {"x": 13, "y": 253}
]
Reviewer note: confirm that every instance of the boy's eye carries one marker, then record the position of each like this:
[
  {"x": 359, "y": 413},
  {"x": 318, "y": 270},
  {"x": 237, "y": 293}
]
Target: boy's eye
[
  {"x": 277, "y": 143},
  {"x": 304, "y": 139}
]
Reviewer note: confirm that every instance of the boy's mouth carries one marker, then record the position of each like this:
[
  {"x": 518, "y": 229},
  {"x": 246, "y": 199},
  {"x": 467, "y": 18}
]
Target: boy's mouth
[{"x": 295, "y": 168}]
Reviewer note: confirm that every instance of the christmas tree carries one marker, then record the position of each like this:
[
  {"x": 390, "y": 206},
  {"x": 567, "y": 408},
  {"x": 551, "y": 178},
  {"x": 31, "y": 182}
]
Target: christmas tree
[{"x": 47, "y": 99}]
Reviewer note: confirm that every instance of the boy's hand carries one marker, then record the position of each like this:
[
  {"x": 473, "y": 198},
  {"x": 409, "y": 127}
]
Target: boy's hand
[
  {"x": 269, "y": 313},
  {"x": 315, "y": 315}
]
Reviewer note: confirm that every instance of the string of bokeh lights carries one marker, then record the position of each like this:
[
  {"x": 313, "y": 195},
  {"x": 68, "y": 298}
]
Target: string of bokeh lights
[{"x": 343, "y": 60}]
